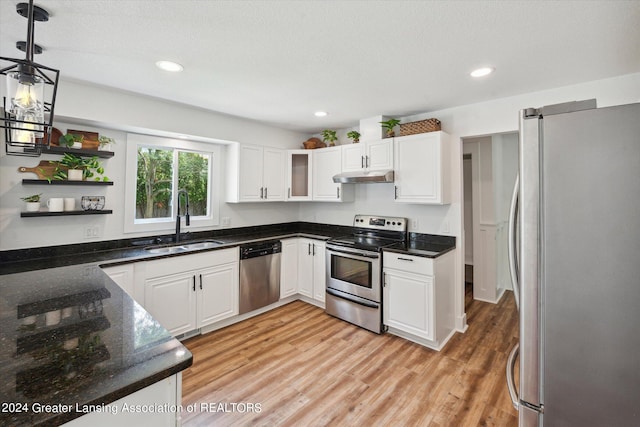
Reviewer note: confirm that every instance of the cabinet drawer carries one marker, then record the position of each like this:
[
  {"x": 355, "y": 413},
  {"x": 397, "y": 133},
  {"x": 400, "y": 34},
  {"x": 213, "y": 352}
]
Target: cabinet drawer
[
  {"x": 409, "y": 263},
  {"x": 190, "y": 261}
]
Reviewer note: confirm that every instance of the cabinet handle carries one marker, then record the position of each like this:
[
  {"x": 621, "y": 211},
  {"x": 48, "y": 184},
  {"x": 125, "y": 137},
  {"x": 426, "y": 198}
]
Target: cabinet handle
[
  {"x": 194, "y": 283},
  {"x": 265, "y": 192},
  {"x": 308, "y": 248},
  {"x": 366, "y": 163},
  {"x": 384, "y": 279},
  {"x": 395, "y": 191},
  {"x": 289, "y": 193},
  {"x": 314, "y": 249},
  {"x": 338, "y": 188},
  {"x": 405, "y": 259},
  {"x": 362, "y": 161},
  {"x": 201, "y": 281}
]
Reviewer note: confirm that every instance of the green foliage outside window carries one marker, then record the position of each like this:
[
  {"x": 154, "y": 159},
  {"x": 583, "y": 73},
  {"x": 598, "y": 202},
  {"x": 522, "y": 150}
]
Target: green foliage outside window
[{"x": 154, "y": 185}]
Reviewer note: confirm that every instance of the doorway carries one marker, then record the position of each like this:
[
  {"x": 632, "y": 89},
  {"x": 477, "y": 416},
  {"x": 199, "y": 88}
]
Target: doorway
[{"x": 490, "y": 165}]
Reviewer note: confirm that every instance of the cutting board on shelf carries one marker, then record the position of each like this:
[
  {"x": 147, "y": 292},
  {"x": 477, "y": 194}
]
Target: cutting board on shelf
[{"x": 44, "y": 170}]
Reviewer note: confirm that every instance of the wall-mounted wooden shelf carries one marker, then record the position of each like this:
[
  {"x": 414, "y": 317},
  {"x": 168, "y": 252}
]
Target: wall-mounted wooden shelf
[
  {"x": 63, "y": 182},
  {"x": 77, "y": 151},
  {"x": 64, "y": 213}
]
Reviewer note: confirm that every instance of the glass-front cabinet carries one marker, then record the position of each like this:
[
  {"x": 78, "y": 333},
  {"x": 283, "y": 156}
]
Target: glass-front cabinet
[{"x": 299, "y": 165}]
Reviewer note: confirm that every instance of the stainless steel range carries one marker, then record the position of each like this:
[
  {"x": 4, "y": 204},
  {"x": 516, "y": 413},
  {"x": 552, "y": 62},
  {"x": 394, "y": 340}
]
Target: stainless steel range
[{"x": 354, "y": 270}]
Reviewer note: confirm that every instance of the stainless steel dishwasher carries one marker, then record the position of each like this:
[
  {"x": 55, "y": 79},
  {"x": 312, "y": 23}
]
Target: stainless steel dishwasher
[{"x": 259, "y": 274}]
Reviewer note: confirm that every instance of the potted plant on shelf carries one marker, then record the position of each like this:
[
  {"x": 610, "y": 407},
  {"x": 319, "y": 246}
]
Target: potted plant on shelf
[
  {"x": 71, "y": 140},
  {"x": 389, "y": 125},
  {"x": 105, "y": 143},
  {"x": 79, "y": 169},
  {"x": 354, "y": 135},
  {"x": 329, "y": 136},
  {"x": 32, "y": 202}
]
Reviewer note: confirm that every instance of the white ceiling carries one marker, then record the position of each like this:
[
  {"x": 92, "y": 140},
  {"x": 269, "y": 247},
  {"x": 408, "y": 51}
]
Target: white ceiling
[{"x": 280, "y": 61}]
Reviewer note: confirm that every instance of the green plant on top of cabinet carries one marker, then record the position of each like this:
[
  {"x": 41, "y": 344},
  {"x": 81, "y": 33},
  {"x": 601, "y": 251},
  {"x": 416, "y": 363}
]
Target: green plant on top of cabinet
[
  {"x": 330, "y": 137},
  {"x": 422, "y": 168},
  {"x": 388, "y": 125},
  {"x": 255, "y": 173},
  {"x": 354, "y": 136}
]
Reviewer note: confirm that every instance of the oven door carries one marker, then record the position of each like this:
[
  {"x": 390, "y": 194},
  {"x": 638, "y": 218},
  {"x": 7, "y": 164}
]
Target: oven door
[{"x": 355, "y": 272}]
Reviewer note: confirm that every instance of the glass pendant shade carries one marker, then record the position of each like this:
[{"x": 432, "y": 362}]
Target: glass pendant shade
[{"x": 25, "y": 93}]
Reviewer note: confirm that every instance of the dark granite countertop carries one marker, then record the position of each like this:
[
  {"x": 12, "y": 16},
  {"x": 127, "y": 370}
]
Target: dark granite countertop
[
  {"x": 70, "y": 335},
  {"x": 424, "y": 245}
]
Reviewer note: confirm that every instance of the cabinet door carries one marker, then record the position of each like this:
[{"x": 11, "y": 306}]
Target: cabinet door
[
  {"x": 305, "y": 268},
  {"x": 379, "y": 155},
  {"x": 171, "y": 300},
  {"x": 217, "y": 293},
  {"x": 273, "y": 174},
  {"x": 299, "y": 167},
  {"x": 408, "y": 302},
  {"x": 327, "y": 162},
  {"x": 419, "y": 173},
  {"x": 319, "y": 270},
  {"x": 122, "y": 275},
  {"x": 250, "y": 173},
  {"x": 289, "y": 268},
  {"x": 353, "y": 157}
]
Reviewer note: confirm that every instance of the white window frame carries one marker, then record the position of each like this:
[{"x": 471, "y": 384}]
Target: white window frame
[{"x": 215, "y": 151}]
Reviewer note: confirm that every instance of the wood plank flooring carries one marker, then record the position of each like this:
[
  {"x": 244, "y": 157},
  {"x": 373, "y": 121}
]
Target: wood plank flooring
[{"x": 306, "y": 368}]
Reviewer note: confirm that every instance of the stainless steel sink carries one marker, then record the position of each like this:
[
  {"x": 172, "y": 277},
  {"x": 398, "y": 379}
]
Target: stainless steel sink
[
  {"x": 206, "y": 244},
  {"x": 181, "y": 247},
  {"x": 165, "y": 250}
]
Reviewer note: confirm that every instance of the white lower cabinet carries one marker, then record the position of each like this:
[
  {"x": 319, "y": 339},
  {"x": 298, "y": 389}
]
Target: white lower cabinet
[
  {"x": 418, "y": 295},
  {"x": 191, "y": 291},
  {"x": 122, "y": 275},
  {"x": 289, "y": 268},
  {"x": 311, "y": 269}
]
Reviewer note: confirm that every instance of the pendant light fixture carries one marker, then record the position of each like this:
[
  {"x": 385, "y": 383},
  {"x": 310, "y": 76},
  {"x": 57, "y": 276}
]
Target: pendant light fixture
[{"x": 30, "y": 93}]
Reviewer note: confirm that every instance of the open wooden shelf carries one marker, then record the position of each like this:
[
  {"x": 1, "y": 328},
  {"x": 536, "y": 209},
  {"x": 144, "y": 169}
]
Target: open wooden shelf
[
  {"x": 64, "y": 213},
  {"x": 63, "y": 182},
  {"x": 77, "y": 151}
]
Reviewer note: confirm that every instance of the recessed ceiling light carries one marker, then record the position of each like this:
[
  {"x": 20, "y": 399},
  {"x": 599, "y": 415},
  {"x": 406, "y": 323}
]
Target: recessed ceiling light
[
  {"x": 320, "y": 114},
  {"x": 481, "y": 72},
  {"x": 174, "y": 67}
]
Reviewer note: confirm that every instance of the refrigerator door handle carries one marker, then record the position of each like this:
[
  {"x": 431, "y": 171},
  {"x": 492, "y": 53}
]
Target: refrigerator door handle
[
  {"x": 511, "y": 364},
  {"x": 513, "y": 261}
]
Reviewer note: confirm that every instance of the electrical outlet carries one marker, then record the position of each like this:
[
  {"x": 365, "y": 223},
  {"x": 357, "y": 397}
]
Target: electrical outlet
[
  {"x": 226, "y": 221},
  {"x": 92, "y": 232},
  {"x": 446, "y": 227},
  {"x": 414, "y": 224}
]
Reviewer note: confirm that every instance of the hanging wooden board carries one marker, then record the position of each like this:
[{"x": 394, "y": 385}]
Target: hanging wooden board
[{"x": 44, "y": 170}]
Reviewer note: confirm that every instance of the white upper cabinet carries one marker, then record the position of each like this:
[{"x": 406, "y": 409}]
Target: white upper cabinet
[
  {"x": 368, "y": 155},
  {"x": 255, "y": 173},
  {"x": 327, "y": 162},
  {"x": 422, "y": 168},
  {"x": 299, "y": 175}
]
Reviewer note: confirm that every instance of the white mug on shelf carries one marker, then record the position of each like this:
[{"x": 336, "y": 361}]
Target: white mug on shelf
[
  {"x": 69, "y": 203},
  {"x": 55, "y": 204}
]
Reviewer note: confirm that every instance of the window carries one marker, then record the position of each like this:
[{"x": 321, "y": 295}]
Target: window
[{"x": 163, "y": 167}]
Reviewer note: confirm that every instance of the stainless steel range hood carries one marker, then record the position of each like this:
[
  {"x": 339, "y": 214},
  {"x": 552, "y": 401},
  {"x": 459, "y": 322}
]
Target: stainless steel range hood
[{"x": 370, "y": 177}]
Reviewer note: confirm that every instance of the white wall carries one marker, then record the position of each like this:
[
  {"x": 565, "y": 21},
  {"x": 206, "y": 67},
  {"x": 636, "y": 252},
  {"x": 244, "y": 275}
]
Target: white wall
[{"x": 112, "y": 113}]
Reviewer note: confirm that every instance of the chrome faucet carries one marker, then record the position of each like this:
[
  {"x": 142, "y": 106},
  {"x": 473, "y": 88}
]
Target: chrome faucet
[{"x": 186, "y": 215}]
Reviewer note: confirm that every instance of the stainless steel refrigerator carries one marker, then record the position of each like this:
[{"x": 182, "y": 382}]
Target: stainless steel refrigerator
[{"x": 575, "y": 262}]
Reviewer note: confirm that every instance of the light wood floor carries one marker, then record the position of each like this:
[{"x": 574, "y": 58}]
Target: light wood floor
[{"x": 306, "y": 368}]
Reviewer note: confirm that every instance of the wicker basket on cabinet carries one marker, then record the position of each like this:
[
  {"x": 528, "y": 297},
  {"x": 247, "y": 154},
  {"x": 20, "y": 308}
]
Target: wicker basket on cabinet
[{"x": 421, "y": 126}]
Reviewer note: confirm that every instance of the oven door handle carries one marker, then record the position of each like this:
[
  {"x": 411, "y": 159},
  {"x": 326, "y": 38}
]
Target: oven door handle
[
  {"x": 352, "y": 298},
  {"x": 356, "y": 253}
]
